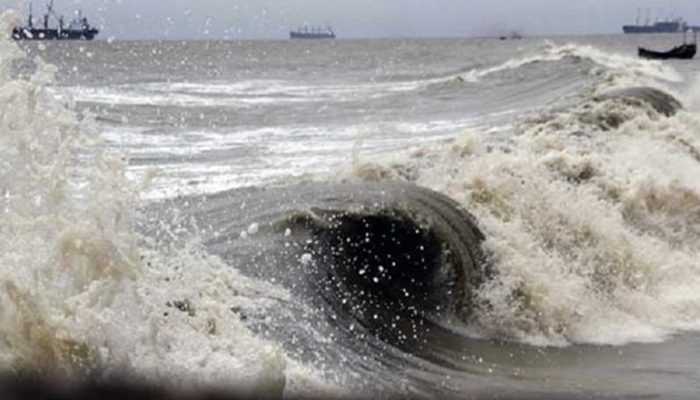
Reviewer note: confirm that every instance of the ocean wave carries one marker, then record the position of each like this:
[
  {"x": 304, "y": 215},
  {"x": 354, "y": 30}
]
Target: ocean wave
[
  {"x": 588, "y": 218},
  {"x": 574, "y": 223}
]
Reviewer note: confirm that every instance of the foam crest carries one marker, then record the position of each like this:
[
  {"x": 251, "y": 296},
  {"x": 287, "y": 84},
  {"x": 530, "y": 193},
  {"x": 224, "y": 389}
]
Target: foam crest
[
  {"x": 613, "y": 70},
  {"x": 631, "y": 67},
  {"x": 512, "y": 64}
]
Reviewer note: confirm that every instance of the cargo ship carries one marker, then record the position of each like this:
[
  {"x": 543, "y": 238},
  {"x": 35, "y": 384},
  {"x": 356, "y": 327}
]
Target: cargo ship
[
  {"x": 78, "y": 29},
  {"x": 312, "y": 33},
  {"x": 673, "y": 26},
  {"x": 670, "y": 25}
]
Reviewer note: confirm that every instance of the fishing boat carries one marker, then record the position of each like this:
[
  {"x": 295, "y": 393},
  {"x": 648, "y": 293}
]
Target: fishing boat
[
  {"x": 78, "y": 29},
  {"x": 686, "y": 51},
  {"x": 683, "y": 52}
]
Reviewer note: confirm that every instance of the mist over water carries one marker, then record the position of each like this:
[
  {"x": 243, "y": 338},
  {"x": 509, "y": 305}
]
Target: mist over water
[{"x": 466, "y": 218}]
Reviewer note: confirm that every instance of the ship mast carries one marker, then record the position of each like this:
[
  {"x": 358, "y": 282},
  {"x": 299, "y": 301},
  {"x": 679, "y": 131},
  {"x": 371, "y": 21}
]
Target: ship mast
[
  {"x": 30, "y": 19},
  {"x": 49, "y": 13},
  {"x": 46, "y": 17}
]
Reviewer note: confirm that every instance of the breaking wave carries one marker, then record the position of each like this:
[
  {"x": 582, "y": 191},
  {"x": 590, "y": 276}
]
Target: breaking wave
[
  {"x": 588, "y": 212},
  {"x": 608, "y": 63}
]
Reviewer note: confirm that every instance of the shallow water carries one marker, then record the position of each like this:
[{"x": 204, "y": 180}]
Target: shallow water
[{"x": 205, "y": 210}]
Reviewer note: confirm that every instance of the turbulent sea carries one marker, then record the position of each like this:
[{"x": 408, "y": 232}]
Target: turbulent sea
[{"x": 467, "y": 218}]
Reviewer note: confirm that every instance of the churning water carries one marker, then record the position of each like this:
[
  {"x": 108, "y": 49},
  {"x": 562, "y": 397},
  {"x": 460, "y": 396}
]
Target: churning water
[{"x": 458, "y": 217}]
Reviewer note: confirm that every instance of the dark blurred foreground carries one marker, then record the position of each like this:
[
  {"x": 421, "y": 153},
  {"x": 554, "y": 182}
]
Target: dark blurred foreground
[{"x": 33, "y": 388}]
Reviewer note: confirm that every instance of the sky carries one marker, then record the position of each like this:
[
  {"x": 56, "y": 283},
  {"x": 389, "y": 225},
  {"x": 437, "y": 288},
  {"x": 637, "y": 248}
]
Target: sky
[{"x": 272, "y": 19}]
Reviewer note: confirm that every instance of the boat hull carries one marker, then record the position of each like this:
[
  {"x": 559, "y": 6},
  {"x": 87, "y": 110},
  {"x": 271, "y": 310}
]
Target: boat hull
[{"x": 684, "y": 52}]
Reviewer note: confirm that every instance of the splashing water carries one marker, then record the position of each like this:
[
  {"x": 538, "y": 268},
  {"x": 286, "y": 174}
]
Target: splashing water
[{"x": 81, "y": 294}]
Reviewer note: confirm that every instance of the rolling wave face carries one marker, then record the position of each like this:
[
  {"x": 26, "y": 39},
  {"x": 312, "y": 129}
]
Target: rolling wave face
[
  {"x": 374, "y": 266},
  {"x": 371, "y": 251},
  {"x": 415, "y": 254}
]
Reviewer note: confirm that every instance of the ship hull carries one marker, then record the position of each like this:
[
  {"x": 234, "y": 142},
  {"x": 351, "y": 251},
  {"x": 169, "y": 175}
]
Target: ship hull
[
  {"x": 658, "y": 27},
  {"x": 54, "y": 34},
  {"x": 646, "y": 29},
  {"x": 302, "y": 35}
]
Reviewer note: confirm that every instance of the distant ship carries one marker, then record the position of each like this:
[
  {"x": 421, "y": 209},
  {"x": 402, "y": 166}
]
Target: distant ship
[
  {"x": 512, "y": 36},
  {"x": 312, "y": 33},
  {"x": 78, "y": 29},
  {"x": 675, "y": 25}
]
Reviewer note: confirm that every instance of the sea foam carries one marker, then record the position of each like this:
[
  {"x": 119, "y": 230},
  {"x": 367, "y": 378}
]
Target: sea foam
[{"x": 82, "y": 294}]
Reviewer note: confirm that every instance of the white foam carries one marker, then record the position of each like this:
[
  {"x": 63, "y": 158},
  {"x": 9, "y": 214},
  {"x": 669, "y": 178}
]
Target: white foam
[{"x": 81, "y": 293}]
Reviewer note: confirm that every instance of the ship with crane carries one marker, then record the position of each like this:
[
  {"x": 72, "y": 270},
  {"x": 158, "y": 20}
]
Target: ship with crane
[
  {"x": 670, "y": 25},
  {"x": 78, "y": 29}
]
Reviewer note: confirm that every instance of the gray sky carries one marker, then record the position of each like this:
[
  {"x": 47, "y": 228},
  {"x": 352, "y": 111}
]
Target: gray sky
[{"x": 248, "y": 19}]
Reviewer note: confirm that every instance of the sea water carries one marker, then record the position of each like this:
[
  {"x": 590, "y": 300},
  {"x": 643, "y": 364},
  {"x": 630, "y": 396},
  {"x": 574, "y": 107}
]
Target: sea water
[{"x": 143, "y": 184}]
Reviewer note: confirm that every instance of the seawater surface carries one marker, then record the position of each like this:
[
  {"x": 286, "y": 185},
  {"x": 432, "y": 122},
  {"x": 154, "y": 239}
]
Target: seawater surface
[{"x": 468, "y": 218}]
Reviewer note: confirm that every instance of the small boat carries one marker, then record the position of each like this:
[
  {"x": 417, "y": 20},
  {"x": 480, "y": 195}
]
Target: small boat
[
  {"x": 683, "y": 52},
  {"x": 512, "y": 36},
  {"x": 686, "y": 51}
]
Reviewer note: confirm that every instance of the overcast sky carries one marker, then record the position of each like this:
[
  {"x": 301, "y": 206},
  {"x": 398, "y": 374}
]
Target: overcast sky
[{"x": 253, "y": 19}]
